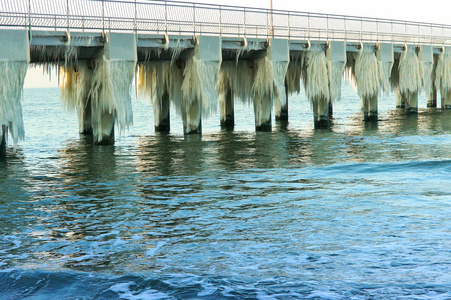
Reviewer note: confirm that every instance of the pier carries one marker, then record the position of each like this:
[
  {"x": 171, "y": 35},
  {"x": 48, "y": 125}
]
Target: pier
[{"x": 198, "y": 58}]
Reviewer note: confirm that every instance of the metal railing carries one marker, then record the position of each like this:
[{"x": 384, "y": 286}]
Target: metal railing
[{"x": 184, "y": 18}]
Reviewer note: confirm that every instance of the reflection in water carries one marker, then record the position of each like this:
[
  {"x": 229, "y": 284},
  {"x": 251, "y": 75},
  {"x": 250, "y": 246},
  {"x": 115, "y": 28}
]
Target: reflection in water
[{"x": 250, "y": 212}]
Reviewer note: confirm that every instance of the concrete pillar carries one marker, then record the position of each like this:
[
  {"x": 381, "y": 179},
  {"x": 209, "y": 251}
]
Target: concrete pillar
[
  {"x": 446, "y": 100},
  {"x": 282, "y": 110},
  {"x": 262, "y": 112},
  {"x": 161, "y": 114},
  {"x": 192, "y": 118},
  {"x": 411, "y": 106},
  {"x": 14, "y": 60},
  {"x": 85, "y": 117},
  {"x": 112, "y": 79},
  {"x": 370, "y": 108},
  {"x": 4, "y": 130},
  {"x": 227, "y": 110},
  {"x": 432, "y": 98},
  {"x": 400, "y": 99},
  {"x": 106, "y": 130},
  {"x": 277, "y": 54},
  {"x": 199, "y": 84},
  {"x": 321, "y": 115}
]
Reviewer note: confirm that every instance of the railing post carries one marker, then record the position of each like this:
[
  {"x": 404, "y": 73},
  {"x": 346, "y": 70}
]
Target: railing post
[
  {"x": 103, "y": 18},
  {"x": 166, "y": 16},
  {"x": 344, "y": 27},
  {"x": 135, "y": 25},
  {"x": 289, "y": 26},
  {"x": 29, "y": 16},
  {"x": 194, "y": 18},
  {"x": 220, "y": 20},
  {"x": 244, "y": 22},
  {"x": 327, "y": 27},
  {"x": 67, "y": 14}
]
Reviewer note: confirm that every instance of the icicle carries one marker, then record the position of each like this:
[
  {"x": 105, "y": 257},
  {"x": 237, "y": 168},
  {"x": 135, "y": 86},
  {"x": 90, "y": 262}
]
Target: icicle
[
  {"x": 443, "y": 73},
  {"x": 366, "y": 74},
  {"x": 335, "y": 70},
  {"x": 316, "y": 78},
  {"x": 410, "y": 72},
  {"x": 74, "y": 91},
  {"x": 110, "y": 93},
  {"x": 293, "y": 77},
  {"x": 199, "y": 84},
  {"x": 12, "y": 74}
]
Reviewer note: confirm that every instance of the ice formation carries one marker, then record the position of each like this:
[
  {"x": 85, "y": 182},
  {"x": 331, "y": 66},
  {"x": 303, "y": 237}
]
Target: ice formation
[
  {"x": 199, "y": 96},
  {"x": 366, "y": 74},
  {"x": 315, "y": 75},
  {"x": 12, "y": 74},
  {"x": 110, "y": 96},
  {"x": 157, "y": 78},
  {"x": 74, "y": 92},
  {"x": 294, "y": 73},
  {"x": 443, "y": 77},
  {"x": 410, "y": 72},
  {"x": 261, "y": 82}
]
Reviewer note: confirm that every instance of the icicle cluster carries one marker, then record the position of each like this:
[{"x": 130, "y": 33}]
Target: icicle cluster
[
  {"x": 443, "y": 73},
  {"x": 199, "y": 84},
  {"x": 12, "y": 74},
  {"x": 240, "y": 77},
  {"x": 293, "y": 77},
  {"x": 75, "y": 89},
  {"x": 410, "y": 72},
  {"x": 110, "y": 93},
  {"x": 366, "y": 74},
  {"x": 315, "y": 75}
]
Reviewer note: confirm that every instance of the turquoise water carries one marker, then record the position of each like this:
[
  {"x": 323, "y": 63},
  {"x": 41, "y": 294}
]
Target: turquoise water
[{"x": 361, "y": 211}]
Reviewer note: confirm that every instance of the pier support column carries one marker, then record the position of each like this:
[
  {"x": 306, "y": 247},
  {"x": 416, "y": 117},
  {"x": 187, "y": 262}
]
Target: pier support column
[
  {"x": 432, "y": 98},
  {"x": 14, "y": 60},
  {"x": 262, "y": 111},
  {"x": 110, "y": 89},
  {"x": 199, "y": 95},
  {"x": 227, "y": 110},
  {"x": 400, "y": 99},
  {"x": 105, "y": 129},
  {"x": 85, "y": 118},
  {"x": 161, "y": 112},
  {"x": 268, "y": 90},
  {"x": 4, "y": 130},
  {"x": 282, "y": 110},
  {"x": 370, "y": 108},
  {"x": 446, "y": 100},
  {"x": 192, "y": 118},
  {"x": 321, "y": 115},
  {"x": 411, "y": 105}
]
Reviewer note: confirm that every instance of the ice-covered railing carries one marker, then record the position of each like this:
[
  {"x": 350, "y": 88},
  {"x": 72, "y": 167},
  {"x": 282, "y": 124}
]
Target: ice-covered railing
[{"x": 172, "y": 17}]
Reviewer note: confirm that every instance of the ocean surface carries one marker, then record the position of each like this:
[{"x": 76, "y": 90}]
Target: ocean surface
[{"x": 360, "y": 211}]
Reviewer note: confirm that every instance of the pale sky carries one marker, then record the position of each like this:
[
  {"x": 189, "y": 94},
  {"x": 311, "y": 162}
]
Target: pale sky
[{"x": 431, "y": 11}]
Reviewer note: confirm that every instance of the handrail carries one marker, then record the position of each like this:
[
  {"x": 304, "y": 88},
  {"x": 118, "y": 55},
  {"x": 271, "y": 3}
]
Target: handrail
[{"x": 176, "y": 17}]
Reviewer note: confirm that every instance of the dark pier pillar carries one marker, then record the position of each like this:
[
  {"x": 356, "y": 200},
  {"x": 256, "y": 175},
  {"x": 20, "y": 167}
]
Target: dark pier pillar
[
  {"x": 370, "y": 108},
  {"x": 161, "y": 115},
  {"x": 3, "y": 141},
  {"x": 282, "y": 111},
  {"x": 321, "y": 115},
  {"x": 227, "y": 110}
]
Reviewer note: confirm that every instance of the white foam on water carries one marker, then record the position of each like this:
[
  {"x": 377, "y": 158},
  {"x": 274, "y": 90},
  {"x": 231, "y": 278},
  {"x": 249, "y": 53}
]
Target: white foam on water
[{"x": 124, "y": 290}]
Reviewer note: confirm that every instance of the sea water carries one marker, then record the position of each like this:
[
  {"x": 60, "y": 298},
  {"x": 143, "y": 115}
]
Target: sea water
[{"x": 360, "y": 211}]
